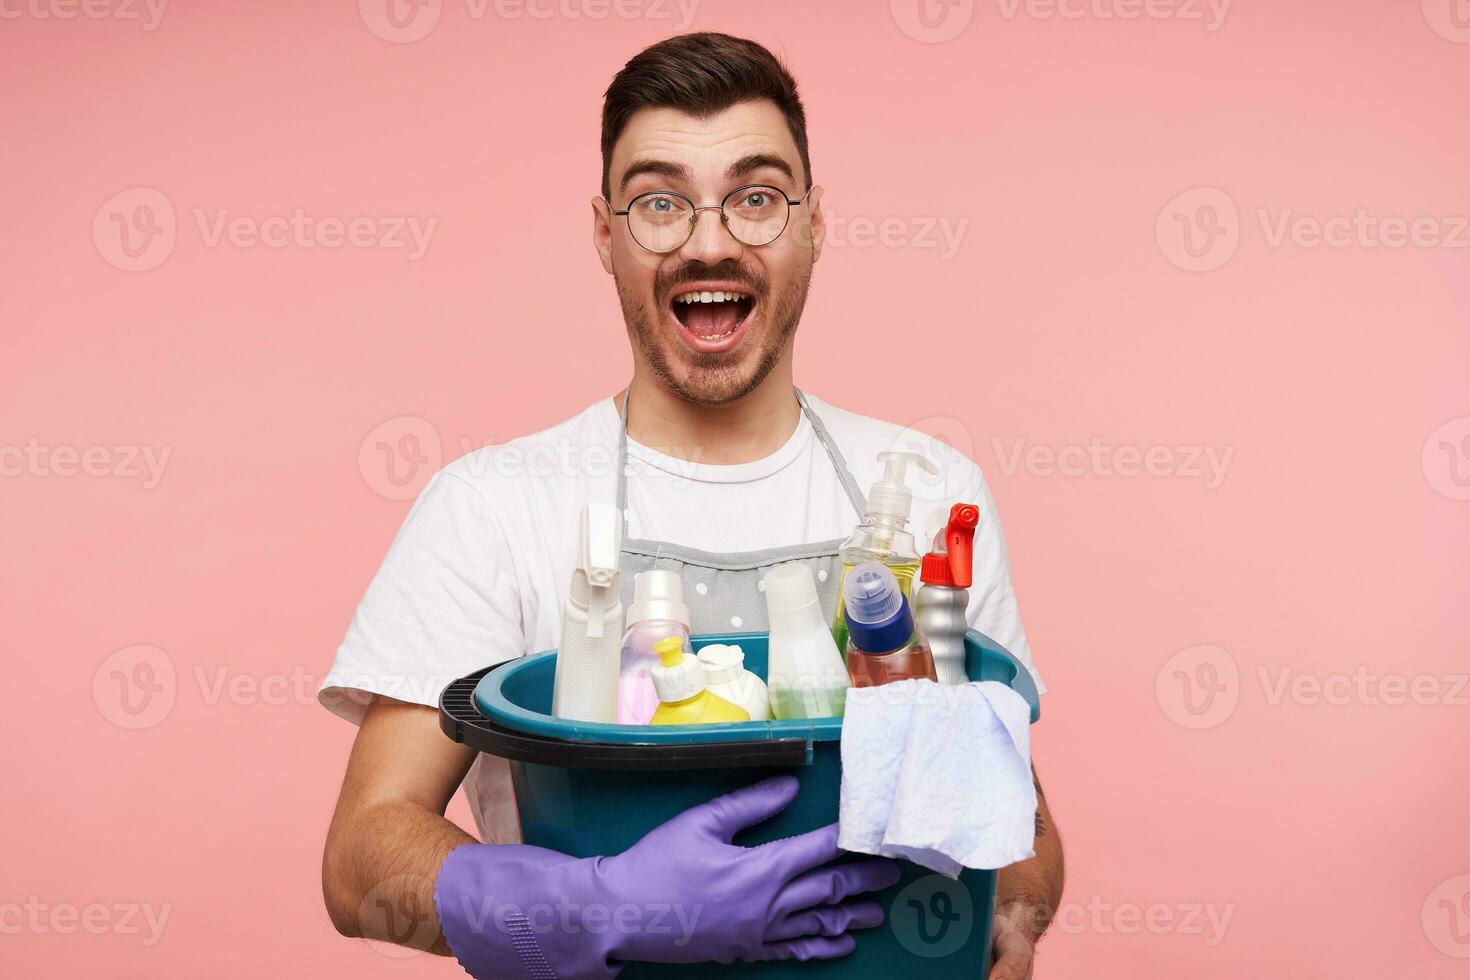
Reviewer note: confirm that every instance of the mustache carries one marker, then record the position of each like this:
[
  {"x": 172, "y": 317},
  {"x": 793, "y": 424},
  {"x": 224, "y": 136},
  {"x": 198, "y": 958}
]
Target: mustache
[{"x": 666, "y": 282}]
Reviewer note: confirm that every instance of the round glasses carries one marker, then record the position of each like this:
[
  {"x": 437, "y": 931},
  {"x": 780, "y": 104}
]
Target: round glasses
[{"x": 756, "y": 214}]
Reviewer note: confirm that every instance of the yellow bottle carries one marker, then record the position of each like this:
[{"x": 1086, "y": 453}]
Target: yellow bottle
[{"x": 683, "y": 700}]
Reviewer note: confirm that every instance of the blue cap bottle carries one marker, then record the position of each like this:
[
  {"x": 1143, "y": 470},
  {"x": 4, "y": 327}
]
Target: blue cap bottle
[
  {"x": 882, "y": 644},
  {"x": 878, "y": 616}
]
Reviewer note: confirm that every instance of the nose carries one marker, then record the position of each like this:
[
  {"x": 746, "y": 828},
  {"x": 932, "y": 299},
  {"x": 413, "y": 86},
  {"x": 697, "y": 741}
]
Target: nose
[{"x": 711, "y": 242}]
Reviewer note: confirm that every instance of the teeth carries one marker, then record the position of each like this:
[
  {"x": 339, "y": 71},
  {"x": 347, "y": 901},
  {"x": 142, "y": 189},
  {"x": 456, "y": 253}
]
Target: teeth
[{"x": 706, "y": 296}]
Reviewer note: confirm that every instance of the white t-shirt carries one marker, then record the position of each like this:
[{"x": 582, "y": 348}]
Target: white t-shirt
[{"x": 478, "y": 572}]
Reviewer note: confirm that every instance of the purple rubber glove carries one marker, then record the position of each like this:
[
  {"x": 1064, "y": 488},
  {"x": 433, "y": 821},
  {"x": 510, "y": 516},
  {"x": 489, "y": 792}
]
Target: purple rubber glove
[{"x": 682, "y": 894}]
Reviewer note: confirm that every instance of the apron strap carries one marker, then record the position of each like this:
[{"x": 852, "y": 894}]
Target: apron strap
[
  {"x": 839, "y": 464},
  {"x": 623, "y": 462}
]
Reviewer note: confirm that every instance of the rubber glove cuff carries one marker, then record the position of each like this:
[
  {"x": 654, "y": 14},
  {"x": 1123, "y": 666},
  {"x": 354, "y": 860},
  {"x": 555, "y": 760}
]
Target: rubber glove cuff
[{"x": 506, "y": 913}]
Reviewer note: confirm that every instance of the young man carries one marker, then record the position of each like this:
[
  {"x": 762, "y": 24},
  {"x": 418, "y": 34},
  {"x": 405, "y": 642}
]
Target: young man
[{"x": 710, "y": 225}]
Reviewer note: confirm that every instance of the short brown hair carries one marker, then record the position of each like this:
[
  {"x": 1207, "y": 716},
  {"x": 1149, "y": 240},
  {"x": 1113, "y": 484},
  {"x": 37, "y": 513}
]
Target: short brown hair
[{"x": 701, "y": 74}]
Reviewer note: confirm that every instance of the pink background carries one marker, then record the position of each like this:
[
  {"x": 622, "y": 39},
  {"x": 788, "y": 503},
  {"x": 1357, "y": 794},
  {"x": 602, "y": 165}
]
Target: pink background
[{"x": 1331, "y": 834}]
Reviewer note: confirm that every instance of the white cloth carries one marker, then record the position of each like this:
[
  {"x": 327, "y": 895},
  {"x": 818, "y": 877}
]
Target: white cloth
[
  {"x": 938, "y": 775},
  {"x": 478, "y": 572}
]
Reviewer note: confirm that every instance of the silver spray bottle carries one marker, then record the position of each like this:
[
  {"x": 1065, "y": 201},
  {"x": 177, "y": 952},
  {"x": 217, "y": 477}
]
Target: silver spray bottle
[{"x": 943, "y": 596}]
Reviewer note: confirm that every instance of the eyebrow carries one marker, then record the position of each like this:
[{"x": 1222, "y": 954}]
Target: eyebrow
[
  {"x": 673, "y": 171},
  {"x": 679, "y": 172},
  {"x": 756, "y": 161}
]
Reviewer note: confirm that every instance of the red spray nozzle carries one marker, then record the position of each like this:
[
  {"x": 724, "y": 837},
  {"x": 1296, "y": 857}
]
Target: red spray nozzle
[{"x": 954, "y": 565}]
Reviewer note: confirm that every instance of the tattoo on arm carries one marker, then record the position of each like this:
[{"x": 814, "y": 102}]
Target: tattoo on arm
[{"x": 1040, "y": 823}]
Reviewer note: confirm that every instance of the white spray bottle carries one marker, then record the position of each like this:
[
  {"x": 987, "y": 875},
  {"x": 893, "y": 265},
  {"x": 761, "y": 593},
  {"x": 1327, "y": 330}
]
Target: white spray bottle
[{"x": 586, "y": 686}]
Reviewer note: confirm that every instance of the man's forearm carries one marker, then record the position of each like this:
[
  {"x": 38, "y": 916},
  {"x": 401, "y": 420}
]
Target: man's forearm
[
  {"x": 1029, "y": 892},
  {"x": 389, "y": 836},
  {"x": 378, "y": 873}
]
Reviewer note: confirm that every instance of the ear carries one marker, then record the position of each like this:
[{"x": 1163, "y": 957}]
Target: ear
[
  {"x": 602, "y": 219},
  {"x": 818, "y": 220}
]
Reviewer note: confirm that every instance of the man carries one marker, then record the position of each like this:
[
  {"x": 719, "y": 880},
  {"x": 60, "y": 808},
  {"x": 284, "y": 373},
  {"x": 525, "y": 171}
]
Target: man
[{"x": 710, "y": 225}]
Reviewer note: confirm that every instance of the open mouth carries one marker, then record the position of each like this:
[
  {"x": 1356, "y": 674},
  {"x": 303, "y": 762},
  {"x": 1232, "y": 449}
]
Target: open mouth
[{"x": 712, "y": 319}]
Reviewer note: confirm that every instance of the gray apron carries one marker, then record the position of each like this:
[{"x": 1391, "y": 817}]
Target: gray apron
[{"x": 724, "y": 591}]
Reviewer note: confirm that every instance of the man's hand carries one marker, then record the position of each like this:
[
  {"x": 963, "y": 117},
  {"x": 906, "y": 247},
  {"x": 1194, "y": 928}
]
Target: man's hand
[
  {"x": 1014, "y": 949},
  {"x": 784, "y": 900},
  {"x": 1027, "y": 895}
]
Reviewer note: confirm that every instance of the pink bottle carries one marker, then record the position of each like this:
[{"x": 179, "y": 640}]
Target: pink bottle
[{"x": 657, "y": 612}]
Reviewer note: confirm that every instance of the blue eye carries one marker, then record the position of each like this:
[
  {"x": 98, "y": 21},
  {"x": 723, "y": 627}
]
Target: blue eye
[
  {"x": 661, "y": 207},
  {"x": 660, "y": 203}
]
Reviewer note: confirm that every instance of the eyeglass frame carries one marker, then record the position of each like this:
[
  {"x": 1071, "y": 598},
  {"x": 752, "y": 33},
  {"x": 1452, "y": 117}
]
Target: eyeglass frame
[{"x": 724, "y": 218}]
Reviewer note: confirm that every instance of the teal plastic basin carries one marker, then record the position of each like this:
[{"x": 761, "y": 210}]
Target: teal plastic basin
[{"x": 569, "y": 800}]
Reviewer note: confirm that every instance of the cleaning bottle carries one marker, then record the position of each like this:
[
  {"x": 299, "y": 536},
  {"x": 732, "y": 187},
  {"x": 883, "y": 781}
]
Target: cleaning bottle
[
  {"x": 679, "y": 681},
  {"x": 944, "y": 593},
  {"x": 881, "y": 536},
  {"x": 883, "y": 645},
  {"x": 657, "y": 612},
  {"x": 805, "y": 671},
  {"x": 725, "y": 675},
  {"x": 586, "y": 684}
]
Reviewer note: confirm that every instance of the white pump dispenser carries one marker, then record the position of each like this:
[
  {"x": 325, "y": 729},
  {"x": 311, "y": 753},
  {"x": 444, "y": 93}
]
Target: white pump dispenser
[
  {"x": 882, "y": 536},
  {"x": 890, "y": 499},
  {"x": 586, "y": 685}
]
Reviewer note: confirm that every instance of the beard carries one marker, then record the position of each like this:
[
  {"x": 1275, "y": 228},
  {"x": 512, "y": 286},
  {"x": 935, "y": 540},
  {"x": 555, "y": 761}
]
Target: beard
[{"x": 725, "y": 376}]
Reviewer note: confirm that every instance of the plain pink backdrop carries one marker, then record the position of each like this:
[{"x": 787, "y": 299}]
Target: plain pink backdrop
[{"x": 1066, "y": 155}]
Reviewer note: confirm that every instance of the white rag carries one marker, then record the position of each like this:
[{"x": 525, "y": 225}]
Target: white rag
[{"x": 940, "y": 775}]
